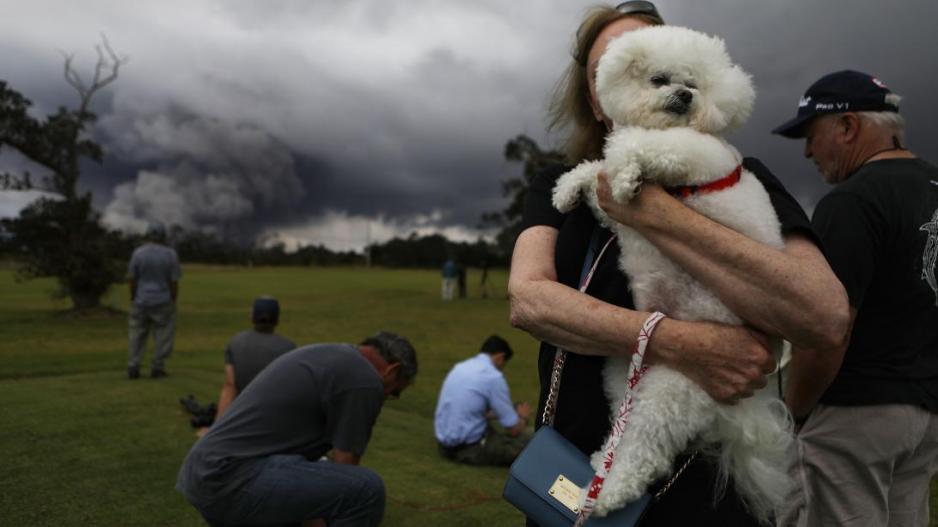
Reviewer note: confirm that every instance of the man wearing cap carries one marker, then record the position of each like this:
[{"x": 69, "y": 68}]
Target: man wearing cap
[
  {"x": 260, "y": 464},
  {"x": 154, "y": 286},
  {"x": 249, "y": 352},
  {"x": 474, "y": 391},
  {"x": 867, "y": 420}
]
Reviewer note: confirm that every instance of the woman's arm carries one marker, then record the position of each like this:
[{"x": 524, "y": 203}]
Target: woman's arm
[
  {"x": 728, "y": 362},
  {"x": 790, "y": 292}
]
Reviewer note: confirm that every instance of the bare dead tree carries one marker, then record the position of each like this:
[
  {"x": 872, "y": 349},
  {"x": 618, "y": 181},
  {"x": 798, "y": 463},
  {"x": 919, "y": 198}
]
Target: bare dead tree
[
  {"x": 108, "y": 64},
  {"x": 61, "y": 237}
]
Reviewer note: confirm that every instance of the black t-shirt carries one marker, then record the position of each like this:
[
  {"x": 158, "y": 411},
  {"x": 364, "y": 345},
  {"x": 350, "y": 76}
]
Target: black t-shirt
[
  {"x": 582, "y": 414},
  {"x": 880, "y": 234}
]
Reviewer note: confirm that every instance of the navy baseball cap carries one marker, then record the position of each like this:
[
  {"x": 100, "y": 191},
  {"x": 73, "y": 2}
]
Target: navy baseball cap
[
  {"x": 266, "y": 309},
  {"x": 842, "y": 91}
]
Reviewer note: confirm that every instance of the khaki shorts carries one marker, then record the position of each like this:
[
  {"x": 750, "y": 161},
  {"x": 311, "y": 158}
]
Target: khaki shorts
[{"x": 863, "y": 466}]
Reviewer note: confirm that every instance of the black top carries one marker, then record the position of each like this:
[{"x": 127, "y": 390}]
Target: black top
[
  {"x": 880, "y": 234},
  {"x": 582, "y": 414}
]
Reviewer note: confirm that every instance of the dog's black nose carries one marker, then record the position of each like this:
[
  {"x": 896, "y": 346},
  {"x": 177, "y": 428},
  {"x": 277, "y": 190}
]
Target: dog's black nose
[{"x": 684, "y": 95}]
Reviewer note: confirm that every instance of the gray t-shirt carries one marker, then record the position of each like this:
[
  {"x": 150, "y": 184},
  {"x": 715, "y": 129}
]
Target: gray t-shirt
[
  {"x": 154, "y": 267},
  {"x": 251, "y": 351},
  {"x": 308, "y": 401}
]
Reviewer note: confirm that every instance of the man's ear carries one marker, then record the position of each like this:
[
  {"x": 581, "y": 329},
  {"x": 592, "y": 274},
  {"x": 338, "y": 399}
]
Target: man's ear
[
  {"x": 849, "y": 125},
  {"x": 392, "y": 369}
]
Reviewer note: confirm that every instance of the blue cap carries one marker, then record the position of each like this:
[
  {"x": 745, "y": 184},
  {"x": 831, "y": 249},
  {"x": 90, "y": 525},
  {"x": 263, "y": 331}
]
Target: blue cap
[
  {"x": 842, "y": 91},
  {"x": 266, "y": 309}
]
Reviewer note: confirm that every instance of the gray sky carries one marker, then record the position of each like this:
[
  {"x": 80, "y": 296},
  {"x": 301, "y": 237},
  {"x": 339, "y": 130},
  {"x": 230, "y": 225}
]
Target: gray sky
[{"x": 339, "y": 121}]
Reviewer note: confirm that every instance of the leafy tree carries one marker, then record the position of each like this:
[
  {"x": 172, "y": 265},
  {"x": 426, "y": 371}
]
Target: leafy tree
[
  {"x": 534, "y": 159},
  {"x": 62, "y": 235}
]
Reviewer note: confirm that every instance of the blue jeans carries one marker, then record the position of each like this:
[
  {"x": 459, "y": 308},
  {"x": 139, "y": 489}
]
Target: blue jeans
[{"x": 289, "y": 489}]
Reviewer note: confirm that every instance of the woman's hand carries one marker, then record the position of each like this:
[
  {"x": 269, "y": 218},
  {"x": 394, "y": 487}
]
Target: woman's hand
[
  {"x": 729, "y": 362},
  {"x": 647, "y": 206}
]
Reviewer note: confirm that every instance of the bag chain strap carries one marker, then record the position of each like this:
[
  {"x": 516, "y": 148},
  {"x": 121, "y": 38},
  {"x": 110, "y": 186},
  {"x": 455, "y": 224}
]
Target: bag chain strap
[{"x": 560, "y": 357}]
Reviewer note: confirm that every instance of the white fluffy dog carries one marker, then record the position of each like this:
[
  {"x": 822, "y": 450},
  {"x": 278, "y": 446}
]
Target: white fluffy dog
[{"x": 669, "y": 91}]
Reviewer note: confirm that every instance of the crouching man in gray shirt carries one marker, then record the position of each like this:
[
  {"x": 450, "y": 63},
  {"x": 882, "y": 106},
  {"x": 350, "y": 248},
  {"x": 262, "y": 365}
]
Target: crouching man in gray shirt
[{"x": 260, "y": 464}]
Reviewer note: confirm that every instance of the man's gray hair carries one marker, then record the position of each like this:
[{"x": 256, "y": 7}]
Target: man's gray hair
[
  {"x": 889, "y": 122},
  {"x": 396, "y": 350}
]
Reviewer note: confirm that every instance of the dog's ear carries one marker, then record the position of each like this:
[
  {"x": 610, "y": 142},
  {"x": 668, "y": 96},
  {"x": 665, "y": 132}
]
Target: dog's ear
[
  {"x": 622, "y": 61},
  {"x": 727, "y": 90},
  {"x": 734, "y": 95}
]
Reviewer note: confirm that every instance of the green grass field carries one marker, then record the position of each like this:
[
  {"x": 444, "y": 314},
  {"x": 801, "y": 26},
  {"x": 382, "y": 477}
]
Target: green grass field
[{"x": 82, "y": 445}]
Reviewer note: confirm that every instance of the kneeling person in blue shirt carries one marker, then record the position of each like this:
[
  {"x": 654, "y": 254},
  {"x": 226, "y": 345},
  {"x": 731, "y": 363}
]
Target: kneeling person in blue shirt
[
  {"x": 260, "y": 463},
  {"x": 474, "y": 391}
]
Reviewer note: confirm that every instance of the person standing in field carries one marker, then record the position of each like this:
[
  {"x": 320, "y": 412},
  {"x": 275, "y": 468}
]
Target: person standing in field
[
  {"x": 790, "y": 292},
  {"x": 867, "y": 428},
  {"x": 154, "y": 275},
  {"x": 449, "y": 274},
  {"x": 484, "y": 280}
]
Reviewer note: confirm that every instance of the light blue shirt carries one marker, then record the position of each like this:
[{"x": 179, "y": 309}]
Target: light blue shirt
[
  {"x": 154, "y": 267},
  {"x": 472, "y": 388}
]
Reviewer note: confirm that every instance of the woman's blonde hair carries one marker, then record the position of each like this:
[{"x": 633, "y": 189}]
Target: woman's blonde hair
[{"x": 569, "y": 110}]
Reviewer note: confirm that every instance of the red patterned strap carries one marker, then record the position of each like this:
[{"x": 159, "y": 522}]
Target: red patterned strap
[
  {"x": 636, "y": 372},
  {"x": 723, "y": 183}
]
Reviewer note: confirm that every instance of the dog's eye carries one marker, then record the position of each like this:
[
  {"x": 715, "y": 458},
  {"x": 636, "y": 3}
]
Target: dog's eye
[
  {"x": 691, "y": 84},
  {"x": 660, "y": 79}
]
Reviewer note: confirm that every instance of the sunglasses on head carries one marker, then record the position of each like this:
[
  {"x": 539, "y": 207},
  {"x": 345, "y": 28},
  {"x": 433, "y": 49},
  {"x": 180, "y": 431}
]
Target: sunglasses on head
[
  {"x": 631, "y": 7},
  {"x": 638, "y": 7}
]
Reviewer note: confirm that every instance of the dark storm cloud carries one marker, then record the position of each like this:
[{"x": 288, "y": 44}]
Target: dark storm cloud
[
  {"x": 788, "y": 45},
  {"x": 253, "y": 116}
]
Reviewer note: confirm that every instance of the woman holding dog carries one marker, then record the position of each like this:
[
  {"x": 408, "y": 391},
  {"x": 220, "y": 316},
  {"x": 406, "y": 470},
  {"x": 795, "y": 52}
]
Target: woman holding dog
[{"x": 791, "y": 292}]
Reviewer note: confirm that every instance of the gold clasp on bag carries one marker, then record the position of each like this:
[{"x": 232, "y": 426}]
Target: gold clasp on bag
[{"x": 566, "y": 492}]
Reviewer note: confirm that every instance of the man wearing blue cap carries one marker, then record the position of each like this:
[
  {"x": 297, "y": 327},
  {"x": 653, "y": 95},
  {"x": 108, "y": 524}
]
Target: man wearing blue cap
[
  {"x": 251, "y": 351},
  {"x": 154, "y": 286},
  {"x": 867, "y": 420}
]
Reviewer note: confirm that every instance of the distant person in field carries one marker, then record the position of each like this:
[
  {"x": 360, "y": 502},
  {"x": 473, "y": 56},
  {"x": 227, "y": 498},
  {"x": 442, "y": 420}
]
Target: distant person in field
[
  {"x": 474, "y": 392},
  {"x": 260, "y": 464},
  {"x": 154, "y": 275},
  {"x": 484, "y": 280},
  {"x": 461, "y": 280},
  {"x": 449, "y": 274},
  {"x": 250, "y": 351}
]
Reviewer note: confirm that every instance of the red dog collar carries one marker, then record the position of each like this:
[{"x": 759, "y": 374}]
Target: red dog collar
[{"x": 724, "y": 182}]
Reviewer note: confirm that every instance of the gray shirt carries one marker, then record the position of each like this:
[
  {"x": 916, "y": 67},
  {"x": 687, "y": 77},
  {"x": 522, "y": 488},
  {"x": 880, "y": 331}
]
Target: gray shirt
[
  {"x": 154, "y": 267},
  {"x": 308, "y": 401},
  {"x": 250, "y": 351}
]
